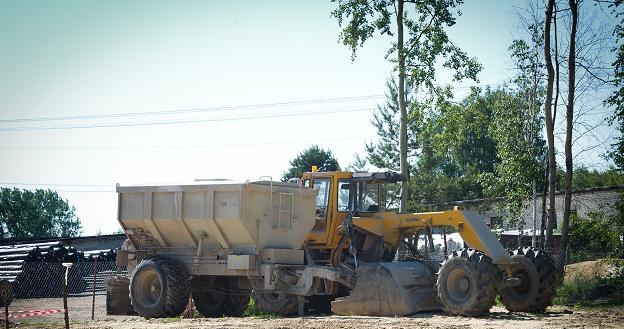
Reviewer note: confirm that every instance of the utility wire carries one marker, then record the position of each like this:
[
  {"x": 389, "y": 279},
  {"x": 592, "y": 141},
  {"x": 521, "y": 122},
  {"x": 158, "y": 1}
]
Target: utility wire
[
  {"x": 203, "y": 110},
  {"x": 186, "y": 121},
  {"x": 219, "y": 108},
  {"x": 131, "y": 148}
]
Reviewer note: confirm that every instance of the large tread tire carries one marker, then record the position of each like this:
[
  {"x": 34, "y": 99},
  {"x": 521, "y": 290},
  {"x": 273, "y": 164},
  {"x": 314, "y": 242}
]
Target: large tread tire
[
  {"x": 320, "y": 304},
  {"x": 280, "y": 303},
  {"x": 118, "y": 296},
  {"x": 541, "y": 279},
  {"x": 159, "y": 288},
  {"x": 467, "y": 283},
  {"x": 237, "y": 302},
  {"x": 221, "y": 297}
]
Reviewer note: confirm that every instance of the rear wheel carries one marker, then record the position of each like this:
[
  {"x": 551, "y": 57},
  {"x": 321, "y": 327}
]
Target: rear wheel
[
  {"x": 159, "y": 288},
  {"x": 539, "y": 280},
  {"x": 280, "y": 303},
  {"x": 320, "y": 304},
  {"x": 466, "y": 283},
  {"x": 219, "y": 296}
]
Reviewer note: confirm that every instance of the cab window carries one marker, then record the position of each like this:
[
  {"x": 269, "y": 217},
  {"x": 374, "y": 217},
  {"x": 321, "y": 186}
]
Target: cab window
[
  {"x": 343, "y": 194},
  {"x": 322, "y": 199},
  {"x": 366, "y": 196}
]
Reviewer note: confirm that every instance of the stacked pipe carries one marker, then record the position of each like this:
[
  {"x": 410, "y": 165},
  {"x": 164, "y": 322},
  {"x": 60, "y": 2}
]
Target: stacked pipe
[{"x": 36, "y": 270}]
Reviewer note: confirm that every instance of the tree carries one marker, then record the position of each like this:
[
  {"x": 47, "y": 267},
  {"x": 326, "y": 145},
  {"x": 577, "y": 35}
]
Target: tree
[
  {"x": 616, "y": 99},
  {"x": 36, "y": 214},
  {"x": 312, "y": 156},
  {"x": 421, "y": 39},
  {"x": 569, "y": 125},
  {"x": 526, "y": 147},
  {"x": 550, "y": 125}
]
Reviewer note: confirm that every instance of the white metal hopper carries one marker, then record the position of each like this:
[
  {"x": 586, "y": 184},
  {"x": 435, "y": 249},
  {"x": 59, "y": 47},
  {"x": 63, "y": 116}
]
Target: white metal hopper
[{"x": 242, "y": 217}]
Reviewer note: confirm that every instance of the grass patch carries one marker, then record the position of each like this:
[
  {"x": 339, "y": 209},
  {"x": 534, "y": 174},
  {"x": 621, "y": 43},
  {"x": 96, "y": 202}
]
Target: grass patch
[
  {"x": 253, "y": 311},
  {"x": 592, "y": 291}
]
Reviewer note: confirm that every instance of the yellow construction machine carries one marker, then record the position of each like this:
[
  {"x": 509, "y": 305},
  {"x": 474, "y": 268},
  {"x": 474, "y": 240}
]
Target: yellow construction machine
[
  {"x": 356, "y": 235},
  {"x": 323, "y": 243}
]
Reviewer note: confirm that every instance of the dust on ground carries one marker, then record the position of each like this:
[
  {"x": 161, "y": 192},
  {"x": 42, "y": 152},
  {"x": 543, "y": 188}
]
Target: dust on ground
[{"x": 555, "y": 317}]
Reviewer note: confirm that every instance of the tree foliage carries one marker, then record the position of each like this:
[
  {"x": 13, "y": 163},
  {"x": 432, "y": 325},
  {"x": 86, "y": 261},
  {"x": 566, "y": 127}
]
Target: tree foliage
[
  {"x": 312, "y": 156},
  {"x": 36, "y": 214},
  {"x": 427, "y": 41},
  {"x": 421, "y": 42},
  {"x": 616, "y": 99}
]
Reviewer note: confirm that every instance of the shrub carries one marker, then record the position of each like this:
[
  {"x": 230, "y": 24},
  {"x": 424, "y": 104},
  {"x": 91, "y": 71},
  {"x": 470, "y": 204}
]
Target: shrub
[{"x": 591, "y": 291}]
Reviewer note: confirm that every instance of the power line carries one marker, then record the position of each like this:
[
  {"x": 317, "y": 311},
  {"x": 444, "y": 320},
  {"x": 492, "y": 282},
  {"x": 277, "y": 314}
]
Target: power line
[
  {"x": 187, "y": 121},
  {"x": 202, "y": 110},
  {"x": 130, "y": 148},
  {"x": 59, "y": 185}
]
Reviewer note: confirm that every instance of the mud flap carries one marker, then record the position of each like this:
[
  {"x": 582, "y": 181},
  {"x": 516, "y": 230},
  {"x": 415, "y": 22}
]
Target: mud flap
[{"x": 390, "y": 289}]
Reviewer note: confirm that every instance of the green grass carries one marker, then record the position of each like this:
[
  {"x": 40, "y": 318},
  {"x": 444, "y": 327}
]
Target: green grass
[
  {"x": 594, "y": 291},
  {"x": 253, "y": 311}
]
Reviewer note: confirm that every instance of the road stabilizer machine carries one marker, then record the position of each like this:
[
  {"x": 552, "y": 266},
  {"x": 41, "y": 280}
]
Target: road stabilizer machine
[{"x": 324, "y": 243}]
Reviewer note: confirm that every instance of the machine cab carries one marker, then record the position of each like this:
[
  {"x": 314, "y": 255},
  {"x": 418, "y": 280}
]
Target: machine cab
[{"x": 338, "y": 192}]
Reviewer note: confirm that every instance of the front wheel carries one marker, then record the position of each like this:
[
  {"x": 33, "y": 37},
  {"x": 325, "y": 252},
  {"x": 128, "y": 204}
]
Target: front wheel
[
  {"x": 539, "y": 280},
  {"x": 466, "y": 283},
  {"x": 219, "y": 296},
  {"x": 280, "y": 303}
]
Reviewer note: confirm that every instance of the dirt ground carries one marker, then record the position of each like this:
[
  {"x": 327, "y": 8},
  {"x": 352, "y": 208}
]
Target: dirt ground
[
  {"x": 590, "y": 269},
  {"x": 556, "y": 317}
]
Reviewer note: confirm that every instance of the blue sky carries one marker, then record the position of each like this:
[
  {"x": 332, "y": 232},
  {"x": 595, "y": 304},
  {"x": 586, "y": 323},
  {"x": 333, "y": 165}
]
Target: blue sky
[{"x": 90, "y": 58}]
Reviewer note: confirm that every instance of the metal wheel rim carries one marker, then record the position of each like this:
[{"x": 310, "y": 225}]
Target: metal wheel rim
[
  {"x": 149, "y": 288},
  {"x": 525, "y": 286},
  {"x": 459, "y": 285}
]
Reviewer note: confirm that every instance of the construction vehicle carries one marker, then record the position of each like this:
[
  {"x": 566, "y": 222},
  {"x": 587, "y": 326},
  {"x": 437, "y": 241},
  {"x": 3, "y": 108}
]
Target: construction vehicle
[{"x": 323, "y": 243}]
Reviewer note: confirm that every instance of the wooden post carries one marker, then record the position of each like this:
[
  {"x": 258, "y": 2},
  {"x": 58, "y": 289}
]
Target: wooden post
[
  {"x": 67, "y": 266},
  {"x": 95, "y": 270},
  {"x": 6, "y": 313}
]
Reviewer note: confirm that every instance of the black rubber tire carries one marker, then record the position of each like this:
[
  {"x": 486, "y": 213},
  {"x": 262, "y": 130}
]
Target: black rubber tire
[
  {"x": 467, "y": 283},
  {"x": 280, "y": 303},
  {"x": 320, "y": 304},
  {"x": 159, "y": 288},
  {"x": 118, "y": 296},
  {"x": 540, "y": 280},
  {"x": 221, "y": 298}
]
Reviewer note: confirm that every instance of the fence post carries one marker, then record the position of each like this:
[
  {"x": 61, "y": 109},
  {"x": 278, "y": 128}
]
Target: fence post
[
  {"x": 67, "y": 266},
  {"x": 6, "y": 313},
  {"x": 95, "y": 271}
]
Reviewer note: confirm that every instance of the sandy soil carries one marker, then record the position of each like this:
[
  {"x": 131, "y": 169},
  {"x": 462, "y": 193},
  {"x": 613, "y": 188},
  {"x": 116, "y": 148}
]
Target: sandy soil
[
  {"x": 590, "y": 269},
  {"x": 499, "y": 318}
]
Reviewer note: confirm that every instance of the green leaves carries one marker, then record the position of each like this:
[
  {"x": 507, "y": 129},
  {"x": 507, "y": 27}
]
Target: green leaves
[
  {"x": 426, "y": 39},
  {"x": 312, "y": 156},
  {"x": 36, "y": 214}
]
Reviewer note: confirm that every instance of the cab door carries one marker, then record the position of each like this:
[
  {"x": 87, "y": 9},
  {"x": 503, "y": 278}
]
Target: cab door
[{"x": 328, "y": 217}]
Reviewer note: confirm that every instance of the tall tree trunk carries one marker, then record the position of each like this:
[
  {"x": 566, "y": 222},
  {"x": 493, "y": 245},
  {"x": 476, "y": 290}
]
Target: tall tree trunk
[
  {"x": 544, "y": 194},
  {"x": 568, "y": 141},
  {"x": 552, "y": 165},
  {"x": 403, "y": 108}
]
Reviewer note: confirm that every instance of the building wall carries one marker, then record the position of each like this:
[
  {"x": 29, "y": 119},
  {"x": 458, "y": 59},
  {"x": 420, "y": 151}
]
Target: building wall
[{"x": 584, "y": 202}]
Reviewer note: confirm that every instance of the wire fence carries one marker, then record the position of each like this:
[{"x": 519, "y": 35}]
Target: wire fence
[{"x": 37, "y": 293}]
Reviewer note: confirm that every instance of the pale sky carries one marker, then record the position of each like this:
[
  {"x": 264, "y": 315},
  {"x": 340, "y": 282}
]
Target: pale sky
[{"x": 250, "y": 84}]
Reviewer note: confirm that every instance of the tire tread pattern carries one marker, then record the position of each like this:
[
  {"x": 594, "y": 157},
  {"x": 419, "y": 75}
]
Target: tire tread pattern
[
  {"x": 485, "y": 286},
  {"x": 550, "y": 278}
]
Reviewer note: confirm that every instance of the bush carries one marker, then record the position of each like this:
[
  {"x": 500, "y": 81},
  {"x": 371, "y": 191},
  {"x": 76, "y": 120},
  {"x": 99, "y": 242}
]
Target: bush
[
  {"x": 596, "y": 236},
  {"x": 253, "y": 311},
  {"x": 592, "y": 291}
]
